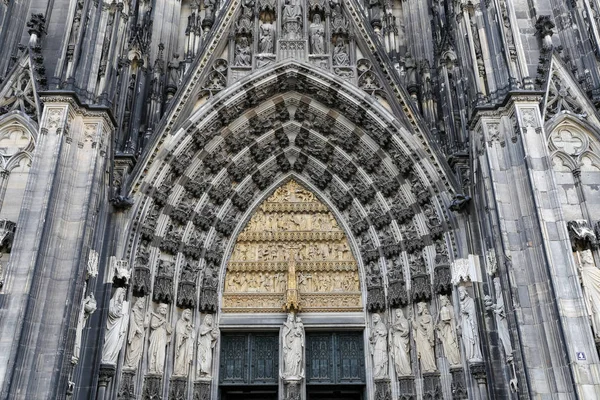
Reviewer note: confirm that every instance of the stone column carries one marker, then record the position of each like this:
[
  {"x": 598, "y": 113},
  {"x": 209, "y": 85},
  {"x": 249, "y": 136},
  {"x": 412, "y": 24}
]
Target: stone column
[
  {"x": 107, "y": 372},
  {"x": 479, "y": 374}
]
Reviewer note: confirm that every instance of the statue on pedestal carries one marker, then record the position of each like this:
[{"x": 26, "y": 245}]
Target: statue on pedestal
[
  {"x": 379, "y": 349},
  {"x": 116, "y": 326},
  {"x": 468, "y": 322},
  {"x": 184, "y": 344},
  {"x": 159, "y": 337},
  {"x": 293, "y": 347},
  {"x": 400, "y": 344},
  {"x": 207, "y": 338},
  {"x": 446, "y": 328},
  {"x": 138, "y": 322}
]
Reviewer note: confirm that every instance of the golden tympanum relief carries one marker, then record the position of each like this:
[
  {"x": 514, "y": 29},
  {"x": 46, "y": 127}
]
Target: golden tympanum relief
[{"x": 292, "y": 256}]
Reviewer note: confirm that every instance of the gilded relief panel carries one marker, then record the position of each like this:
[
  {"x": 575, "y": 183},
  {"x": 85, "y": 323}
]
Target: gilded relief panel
[{"x": 292, "y": 255}]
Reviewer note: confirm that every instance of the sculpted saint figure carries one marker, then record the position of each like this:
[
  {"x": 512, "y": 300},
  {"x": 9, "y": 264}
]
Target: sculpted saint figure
[
  {"x": 590, "y": 278},
  {"x": 267, "y": 33},
  {"x": 242, "y": 53},
  {"x": 88, "y": 306},
  {"x": 116, "y": 326},
  {"x": 400, "y": 344},
  {"x": 447, "y": 331},
  {"x": 207, "y": 339},
  {"x": 500, "y": 316},
  {"x": 340, "y": 55},
  {"x": 292, "y": 17},
  {"x": 293, "y": 347},
  {"x": 317, "y": 34},
  {"x": 184, "y": 344},
  {"x": 138, "y": 322},
  {"x": 424, "y": 338},
  {"x": 379, "y": 349},
  {"x": 159, "y": 337},
  {"x": 468, "y": 322}
]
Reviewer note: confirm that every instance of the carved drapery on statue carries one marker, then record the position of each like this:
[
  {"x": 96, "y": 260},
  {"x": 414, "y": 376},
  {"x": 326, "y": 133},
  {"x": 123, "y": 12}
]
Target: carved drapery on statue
[{"x": 292, "y": 254}]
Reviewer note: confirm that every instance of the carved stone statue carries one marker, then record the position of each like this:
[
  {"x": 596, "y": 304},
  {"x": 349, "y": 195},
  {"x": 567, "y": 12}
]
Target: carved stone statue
[
  {"x": 267, "y": 38},
  {"x": 293, "y": 347},
  {"x": 500, "y": 315},
  {"x": 468, "y": 322},
  {"x": 317, "y": 34},
  {"x": 184, "y": 344},
  {"x": 446, "y": 328},
  {"x": 242, "y": 53},
  {"x": 424, "y": 338},
  {"x": 207, "y": 338},
  {"x": 292, "y": 19},
  {"x": 88, "y": 306},
  {"x": 400, "y": 344},
  {"x": 590, "y": 278},
  {"x": 159, "y": 337},
  {"x": 340, "y": 54},
  {"x": 138, "y": 322},
  {"x": 116, "y": 326},
  {"x": 379, "y": 349}
]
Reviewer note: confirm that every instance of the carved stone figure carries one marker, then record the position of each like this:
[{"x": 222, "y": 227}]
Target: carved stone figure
[
  {"x": 242, "y": 53},
  {"x": 424, "y": 338},
  {"x": 138, "y": 322},
  {"x": 468, "y": 322},
  {"x": 207, "y": 338},
  {"x": 184, "y": 344},
  {"x": 293, "y": 347},
  {"x": 88, "y": 306},
  {"x": 379, "y": 348},
  {"x": 340, "y": 54},
  {"x": 317, "y": 34},
  {"x": 400, "y": 344},
  {"x": 500, "y": 316},
  {"x": 159, "y": 337},
  {"x": 267, "y": 38},
  {"x": 446, "y": 328},
  {"x": 590, "y": 278},
  {"x": 116, "y": 326},
  {"x": 292, "y": 19}
]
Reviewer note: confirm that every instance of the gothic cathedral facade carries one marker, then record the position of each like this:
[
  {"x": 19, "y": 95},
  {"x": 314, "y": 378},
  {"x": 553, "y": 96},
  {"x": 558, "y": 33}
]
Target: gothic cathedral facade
[{"x": 299, "y": 199}]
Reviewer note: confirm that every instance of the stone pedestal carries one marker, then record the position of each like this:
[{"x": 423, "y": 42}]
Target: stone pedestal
[
  {"x": 178, "y": 388},
  {"x": 127, "y": 388},
  {"x": 432, "y": 388},
  {"x": 383, "y": 390},
  {"x": 202, "y": 389},
  {"x": 459, "y": 387},
  {"x": 479, "y": 373},
  {"x": 406, "y": 388},
  {"x": 292, "y": 389},
  {"x": 107, "y": 372},
  {"x": 152, "y": 387}
]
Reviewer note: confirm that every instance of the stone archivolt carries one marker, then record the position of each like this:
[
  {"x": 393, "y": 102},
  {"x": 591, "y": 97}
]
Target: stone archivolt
[{"x": 292, "y": 225}]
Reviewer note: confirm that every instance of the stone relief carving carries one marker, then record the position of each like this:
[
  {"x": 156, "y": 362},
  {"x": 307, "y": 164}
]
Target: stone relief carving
[
  {"x": 340, "y": 53},
  {"x": 293, "y": 347},
  {"x": 400, "y": 344},
  {"x": 163, "y": 282},
  {"x": 116, "y": 327},
  {"x": 379, "y": 347},
  {"x": 138, "y": 322},
  {"x": 446, "y": 328},
  {"x": 317, "y": 35},
  {"x": 207, "y": 338},
  {"x": 184, "y": 344},
  {"x": 499, "y": 314},
  {"x": 581, "y": 234},
  {"x": 160, "y": 336},
  {"x": 468, "y": 323},
  {"x": 424, "y": 338}
]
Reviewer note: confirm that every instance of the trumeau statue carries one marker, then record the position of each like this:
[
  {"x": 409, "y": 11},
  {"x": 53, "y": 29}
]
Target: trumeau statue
[
  {"x": 400, "y": 344},
  {"x": 424, "y": 338},
  {"x": 116, "y": 327},
  {"x": 293, "y": 347},
  {"x": 468, "y": 322},
  {"x": 500, "y": 315},
  {"x": 159, "y": 337},
  {"x": 446, "y": 328},
  {"x": 88, "y": 306},
  {"x": 590, "y": 278},
  {"x": 379, "y": 349},
  {"x": 184, "y": 344},
  {"x": 138, "y": 322},
  {"x": 207, "y": 338}
]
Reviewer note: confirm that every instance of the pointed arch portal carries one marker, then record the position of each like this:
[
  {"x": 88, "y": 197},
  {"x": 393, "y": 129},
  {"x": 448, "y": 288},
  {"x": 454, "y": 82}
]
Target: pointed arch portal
[{"x": 291, "y": 169}]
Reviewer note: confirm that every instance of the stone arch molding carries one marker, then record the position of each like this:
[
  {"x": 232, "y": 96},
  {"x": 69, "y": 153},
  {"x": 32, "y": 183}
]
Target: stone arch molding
[
  {"x": 575, "y": 142},
  {"x": 388, "y": 187}
]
